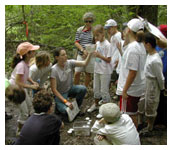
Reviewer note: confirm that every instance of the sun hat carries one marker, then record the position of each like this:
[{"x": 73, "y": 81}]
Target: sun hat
[
  {"x": 110, "y": 112},
  {"x": 25, "y": 47},
  {"x": 135, "y": 24},
  {"x": 110, "y": 23}
]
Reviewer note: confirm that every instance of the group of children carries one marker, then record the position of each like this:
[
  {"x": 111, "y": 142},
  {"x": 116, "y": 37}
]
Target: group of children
[{"x": 139, "y": 83}]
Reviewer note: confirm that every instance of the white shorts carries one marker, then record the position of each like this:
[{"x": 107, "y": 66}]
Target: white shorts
[{"x": 89, "y": 68}]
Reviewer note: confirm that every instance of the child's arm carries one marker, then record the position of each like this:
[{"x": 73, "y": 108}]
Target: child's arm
[
  {"x": 106, "y": 59},
  {"x": 96, "y": 126},
  {"x": 32, "y": 82},
  {"x": 131, "y": 76},
  {"x": 22, "y": 84},
  {"x": 157, "y": 69}
]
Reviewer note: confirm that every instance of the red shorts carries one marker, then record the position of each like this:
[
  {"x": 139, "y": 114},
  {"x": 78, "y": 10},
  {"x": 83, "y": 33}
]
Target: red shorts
[{"x": 131, "y": 104}]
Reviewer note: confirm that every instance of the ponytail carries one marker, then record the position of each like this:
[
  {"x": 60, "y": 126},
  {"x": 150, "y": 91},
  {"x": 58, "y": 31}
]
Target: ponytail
[
  {"x": 140, "y": 36},
  {"x": 16, "y": 60}
]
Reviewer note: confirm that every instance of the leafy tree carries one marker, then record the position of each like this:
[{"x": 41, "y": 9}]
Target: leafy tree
[{"x": 53, "y": 26}]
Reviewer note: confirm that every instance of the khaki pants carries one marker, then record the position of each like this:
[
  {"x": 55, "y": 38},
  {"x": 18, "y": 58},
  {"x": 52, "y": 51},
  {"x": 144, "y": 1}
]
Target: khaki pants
[{"x": 149, "y": 103}]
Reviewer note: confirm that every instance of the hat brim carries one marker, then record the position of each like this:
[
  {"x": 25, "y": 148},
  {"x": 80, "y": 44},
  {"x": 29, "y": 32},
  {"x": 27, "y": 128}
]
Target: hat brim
[
  {"x": 35, "y": 47},
  {"x": 107, "y": 27}
]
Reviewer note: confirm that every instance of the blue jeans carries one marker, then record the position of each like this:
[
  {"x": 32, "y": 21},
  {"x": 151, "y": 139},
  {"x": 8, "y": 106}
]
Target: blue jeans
[{"x": 76, "y": 91}]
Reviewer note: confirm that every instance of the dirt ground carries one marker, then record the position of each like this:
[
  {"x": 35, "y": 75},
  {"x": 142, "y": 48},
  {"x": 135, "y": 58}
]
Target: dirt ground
[{"x": 159, "y": 136}]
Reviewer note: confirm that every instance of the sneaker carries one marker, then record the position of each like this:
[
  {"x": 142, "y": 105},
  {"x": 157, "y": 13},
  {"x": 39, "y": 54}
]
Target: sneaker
[
  {"x": 115, "y": 97},
  {"x": 141, "y": 126},
  {"x": 99, "y": 116},
  {"x": 100, "y": 102},
  {"x": 145, "y": 132},
  {"x": 92, "y": 108}
]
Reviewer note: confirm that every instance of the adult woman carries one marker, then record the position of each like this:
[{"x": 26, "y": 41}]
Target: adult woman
[
  {"x": 62, "y": 80},
  {"x": 84, "y": 36}
]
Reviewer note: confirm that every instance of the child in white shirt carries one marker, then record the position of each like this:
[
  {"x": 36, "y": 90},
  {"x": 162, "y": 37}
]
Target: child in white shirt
[
  {"x": 40, "y": 70},
  {"x": 102, "y": 68},
  {"x": 115, "y": 38},
  {"x": 114, "y": 128},
  {"x": 131, "y": 78},
  {"x": 154, "y": 82}
]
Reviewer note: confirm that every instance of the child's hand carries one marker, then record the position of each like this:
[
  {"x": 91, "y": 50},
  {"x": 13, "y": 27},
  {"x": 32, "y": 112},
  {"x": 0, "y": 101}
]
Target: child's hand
[
  {"x": 102, "y": 121},
  {"x": 97, "y": 54},
  {"x": 35, "y": 86},
  {"x": 100, "y": 137},
  {"x": 35, "y": 83}
]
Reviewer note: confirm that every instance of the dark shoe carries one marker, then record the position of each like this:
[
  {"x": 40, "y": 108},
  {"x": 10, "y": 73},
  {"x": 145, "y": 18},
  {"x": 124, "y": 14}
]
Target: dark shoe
[
  {"x": 146, "y": 133},
  {"x": 81, "y": 114},
  {"x": 141, "y": 126}
]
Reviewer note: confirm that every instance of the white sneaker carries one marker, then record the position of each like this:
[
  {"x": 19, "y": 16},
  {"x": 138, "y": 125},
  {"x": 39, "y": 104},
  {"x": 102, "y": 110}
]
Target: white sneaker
[
  {"x": 99, "y": 116},
  {"x": 100, "y": 102},
  {"x": 92, "y": 108}
]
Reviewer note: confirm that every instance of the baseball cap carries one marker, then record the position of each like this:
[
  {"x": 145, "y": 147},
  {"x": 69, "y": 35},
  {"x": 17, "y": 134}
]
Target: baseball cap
[
  {"x": 135, "y": 24},
  {"x": 110, "y": 112},
  {"x": 25, "y": 47},
  {"x": 110, "y": 23}
]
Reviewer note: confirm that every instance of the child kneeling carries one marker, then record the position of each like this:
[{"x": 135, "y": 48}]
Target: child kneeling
[{"x": 114, "y": 128}]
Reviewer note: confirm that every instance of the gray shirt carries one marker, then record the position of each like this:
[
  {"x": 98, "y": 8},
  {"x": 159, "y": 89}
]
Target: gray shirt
[{"x": 64, "y": 77}]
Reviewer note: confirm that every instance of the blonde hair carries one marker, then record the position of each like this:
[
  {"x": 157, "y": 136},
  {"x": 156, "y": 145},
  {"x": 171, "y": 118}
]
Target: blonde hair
[
  {"x": 98, "y": 29},
  {"x": 41, "y": 58}
]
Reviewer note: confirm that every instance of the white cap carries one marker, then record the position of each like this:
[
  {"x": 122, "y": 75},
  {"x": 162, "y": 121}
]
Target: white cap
[
  {"x": 135, "y": 24},
  {"x": 110, "y": 112},
  {"x": 110, "y": 23}
]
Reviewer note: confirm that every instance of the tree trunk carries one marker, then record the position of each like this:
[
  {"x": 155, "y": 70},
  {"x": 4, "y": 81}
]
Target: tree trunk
[{"x": 150, "y": 12}]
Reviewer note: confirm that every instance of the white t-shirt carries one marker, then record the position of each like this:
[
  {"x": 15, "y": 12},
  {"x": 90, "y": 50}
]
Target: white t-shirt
[
  {"x": 122, "y": 132},
  {"x": 116, "y": 38},
  {"x": 154, "y": 69},
  {"x": 102, "y": 67},
  {"x": 39, "y": 74},
  {"x": 134, "y": 58}
]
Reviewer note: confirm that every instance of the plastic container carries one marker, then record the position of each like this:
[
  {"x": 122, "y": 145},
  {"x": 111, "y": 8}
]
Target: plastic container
[{"x": 81, "y": 128}]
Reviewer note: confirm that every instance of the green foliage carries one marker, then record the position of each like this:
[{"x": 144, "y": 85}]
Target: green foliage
[
  {"x": 56, "y": 25},
  {"x": 162, "y": 14}
]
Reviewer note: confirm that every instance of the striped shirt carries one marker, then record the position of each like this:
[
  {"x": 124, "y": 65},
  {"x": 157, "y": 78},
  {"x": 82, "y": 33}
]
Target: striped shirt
[{"x": 83, "y": 37}]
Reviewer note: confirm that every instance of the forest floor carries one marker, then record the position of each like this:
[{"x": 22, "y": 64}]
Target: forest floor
[{"x": 158, "y": 137}]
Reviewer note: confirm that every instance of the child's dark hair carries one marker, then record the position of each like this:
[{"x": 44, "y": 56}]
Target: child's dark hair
[
  {"x": 42, "y": 101},
  {"x": 17, "y": 59},
  {"x": 15, "y": 94},
  {"x": 56, "y": 52},
  {"x": 149, "y": 38}
]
